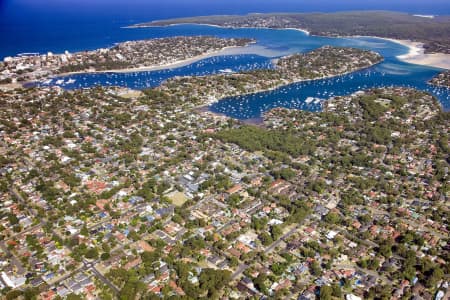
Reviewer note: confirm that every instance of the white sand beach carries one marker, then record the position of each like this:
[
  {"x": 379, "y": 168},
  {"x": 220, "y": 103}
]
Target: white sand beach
[
  {"x": 417, "y": 55},
  {"x": 175, "y": 64},
  {"x": 299, "y": 29},
  {"x": 180, "y": 63}
]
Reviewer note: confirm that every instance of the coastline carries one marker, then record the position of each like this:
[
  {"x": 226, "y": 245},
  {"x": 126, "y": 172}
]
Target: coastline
[
  {"x": 170, "y": 65},
  {"x": 169, "y": 25},
  {"x": 205, "y": 108},
  {"x": 437, "y": 60},
  {"x": 293, "y": 81},
  {"x": 416, "y": 54},
  {"x": 298, "y": 29},
  {"x": 217, "y": 26}
]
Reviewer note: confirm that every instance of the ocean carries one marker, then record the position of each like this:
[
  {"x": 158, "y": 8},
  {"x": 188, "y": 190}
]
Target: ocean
[{"x": 74, "y": 25}]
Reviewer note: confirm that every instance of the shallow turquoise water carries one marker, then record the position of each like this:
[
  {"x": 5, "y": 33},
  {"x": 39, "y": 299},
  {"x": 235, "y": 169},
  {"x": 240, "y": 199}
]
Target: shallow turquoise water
[{"x": 270, "y": 44}]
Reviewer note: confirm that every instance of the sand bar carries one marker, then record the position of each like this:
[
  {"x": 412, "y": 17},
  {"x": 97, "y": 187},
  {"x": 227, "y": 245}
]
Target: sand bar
[{"x": 417, "y": 55}]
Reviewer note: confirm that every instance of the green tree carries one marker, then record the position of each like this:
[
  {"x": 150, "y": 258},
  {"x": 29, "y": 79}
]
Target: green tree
[
  {"x": 276, "y": 231},
  {"x": 13, "y": 220},
  {"x": 73, "y": 296},
  {"x": 84, "y": 231},
  {"x": 337, "y": 291},
  {"x": 105, "y": 256},
  {"x": 260, "y": 284},
  {"x": 212, "y": 280},
  {"x": 325, "y": 292},
  {"x": 266, "y": 238},
  {"x": 91, "y": 253},
  {"x": 315, "y": 269},
  {"x": 332, "y": 218}
]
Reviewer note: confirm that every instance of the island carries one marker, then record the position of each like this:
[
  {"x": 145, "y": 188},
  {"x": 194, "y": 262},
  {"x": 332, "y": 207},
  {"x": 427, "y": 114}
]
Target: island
[
  {"x": 323, "y": 62},
  {"x": 124, "y": 57},
  {"x": 111, "y": 193},
  {"x": 433, "y": 32}
]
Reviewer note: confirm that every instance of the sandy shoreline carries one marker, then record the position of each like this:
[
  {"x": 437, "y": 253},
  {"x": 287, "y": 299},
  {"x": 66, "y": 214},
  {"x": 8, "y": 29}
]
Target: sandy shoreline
[
  {"x": 417, "y": 55},
  {"x": 217, "y": 26},
  {"x": 298, "y": 29},
  {"x": 175, "y": 64}
]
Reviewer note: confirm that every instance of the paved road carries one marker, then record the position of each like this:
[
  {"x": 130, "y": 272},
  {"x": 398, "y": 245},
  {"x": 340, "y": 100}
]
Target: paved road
[
  {"x": 68, "y": 275},
  {"x": 355, "y": 238},
  {"x": 370, "y": 272},
  {"x": 242, "y": 267},
  {"x": 86, "y": 264},
  {"x": 239, "y": 271},
  {"x": 13, "y": 259},
  {"x": 256, "y": 208},
  {"x": 19, "y": 197},
  {"x": 24, "y": 232},
  {"x": 11, "y": 256},
  {"x": 283, "y": 237},
  {"x": 91, "y": 266}
]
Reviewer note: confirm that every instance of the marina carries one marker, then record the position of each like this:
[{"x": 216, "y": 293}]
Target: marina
[
  {"x": 149, "y": 79},
  {"x": 272, "y": 44},
  {"x": 310, "y": 95}
]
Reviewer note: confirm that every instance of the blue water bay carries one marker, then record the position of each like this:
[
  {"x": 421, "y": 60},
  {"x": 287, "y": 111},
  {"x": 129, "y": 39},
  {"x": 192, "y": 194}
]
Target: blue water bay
[
  {"x": 149, "y": 79},
  {"x": 272, "y": 43},
  {"x": 310, "y": 95},
  {"x": 58, "y": 25}
]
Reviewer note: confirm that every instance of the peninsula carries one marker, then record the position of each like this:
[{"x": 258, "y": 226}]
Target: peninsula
[
  {"x": 128, "y": 56},
  {"x": 431, "y": 36},
  {"x": 320, "y": 63},
  {"x": 442, "y": 79},
  {"x": 433, "y": 32}
]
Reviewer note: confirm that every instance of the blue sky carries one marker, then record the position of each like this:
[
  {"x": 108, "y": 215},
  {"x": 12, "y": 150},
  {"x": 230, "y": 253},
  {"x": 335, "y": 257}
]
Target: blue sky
[
  {"x": 19, "y": 11},
  {"x": 230, "y": 4}
]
